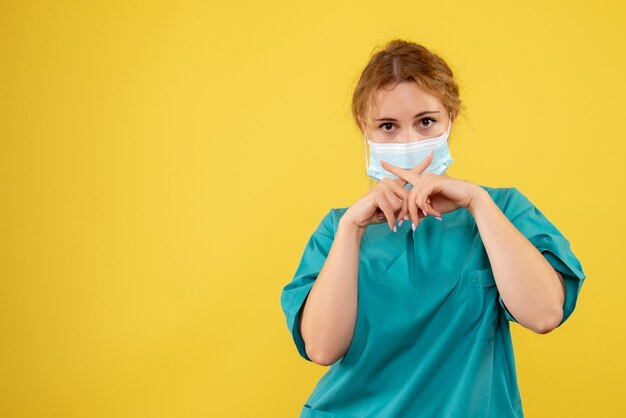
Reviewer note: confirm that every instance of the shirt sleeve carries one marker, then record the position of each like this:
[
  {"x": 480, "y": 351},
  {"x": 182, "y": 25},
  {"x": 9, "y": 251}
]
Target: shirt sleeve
[
  {"x": 534, "y": 225},
  {"x": 295, "y": 292}
]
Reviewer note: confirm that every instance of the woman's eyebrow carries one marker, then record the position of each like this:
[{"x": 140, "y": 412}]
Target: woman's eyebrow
[{"x": 417, "y": 116}]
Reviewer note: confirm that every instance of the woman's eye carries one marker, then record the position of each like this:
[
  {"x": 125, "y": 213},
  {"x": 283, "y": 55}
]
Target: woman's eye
[
  {"x": 427, "y": 119},
  {"x": 424, "y": 122},
  {"x": 389, "y": 124}
]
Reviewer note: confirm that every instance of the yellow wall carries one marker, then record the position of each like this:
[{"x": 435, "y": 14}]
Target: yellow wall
[{"x": 164, "y": 163}]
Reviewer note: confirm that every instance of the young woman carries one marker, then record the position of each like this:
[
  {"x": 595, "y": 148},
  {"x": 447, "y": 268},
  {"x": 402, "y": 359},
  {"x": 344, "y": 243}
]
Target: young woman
[{"x": 408, "y": 292}]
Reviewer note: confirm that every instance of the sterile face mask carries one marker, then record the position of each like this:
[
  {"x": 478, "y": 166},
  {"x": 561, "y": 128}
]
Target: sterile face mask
[{"x": 408, "y": 155}]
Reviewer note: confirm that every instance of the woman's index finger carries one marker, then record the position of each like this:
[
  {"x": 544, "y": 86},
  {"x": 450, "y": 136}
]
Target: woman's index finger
[
  {"x": 400, "y": 172},
  {"x": 423, "y": 165}
]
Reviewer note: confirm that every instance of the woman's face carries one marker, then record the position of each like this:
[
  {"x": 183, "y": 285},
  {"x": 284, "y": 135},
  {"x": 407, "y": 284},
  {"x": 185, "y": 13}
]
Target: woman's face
[{"x": 406, "y": 113}]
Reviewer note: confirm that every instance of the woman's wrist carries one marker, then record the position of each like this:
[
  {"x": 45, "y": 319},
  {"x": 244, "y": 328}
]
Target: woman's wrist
[
  {"x": 478, "y": 198},
  {"x": 350, "y": 228}
]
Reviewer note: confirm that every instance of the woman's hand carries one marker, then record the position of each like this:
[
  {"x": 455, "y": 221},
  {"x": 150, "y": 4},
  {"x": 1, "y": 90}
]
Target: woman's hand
[
  {"x": 432, "y": 193},
  {"x": 388, "y": 199}
]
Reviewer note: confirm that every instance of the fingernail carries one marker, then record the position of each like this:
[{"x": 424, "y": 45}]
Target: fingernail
[
  {"x": 425, "y": 214},
  {"x": 406, "y": 217},
  {"x": 394, "y": 228},
  {"x": 400, "y": 223},
  {"x": 413, "y": 225},
  {"x": 438, "y": 218}
]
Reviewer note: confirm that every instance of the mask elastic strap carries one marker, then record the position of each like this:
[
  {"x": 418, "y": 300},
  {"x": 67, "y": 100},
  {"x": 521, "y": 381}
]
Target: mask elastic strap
[{"x": 365, "y": 148}]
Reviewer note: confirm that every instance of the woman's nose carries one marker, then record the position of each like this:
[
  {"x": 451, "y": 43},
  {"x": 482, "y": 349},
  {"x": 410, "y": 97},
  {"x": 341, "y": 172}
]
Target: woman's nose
[{"x": 408, "y": 136}]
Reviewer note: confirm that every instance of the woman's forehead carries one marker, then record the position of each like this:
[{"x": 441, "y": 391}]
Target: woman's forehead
[{"x": 403, "y": 100}]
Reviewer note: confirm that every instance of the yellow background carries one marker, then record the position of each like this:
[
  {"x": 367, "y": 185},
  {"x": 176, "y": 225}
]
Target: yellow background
[{"x": 164, "y": 163}]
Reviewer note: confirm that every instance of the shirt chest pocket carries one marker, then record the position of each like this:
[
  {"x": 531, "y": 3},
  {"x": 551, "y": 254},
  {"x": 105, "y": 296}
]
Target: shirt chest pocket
[{"x": 481, "y": 305}]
